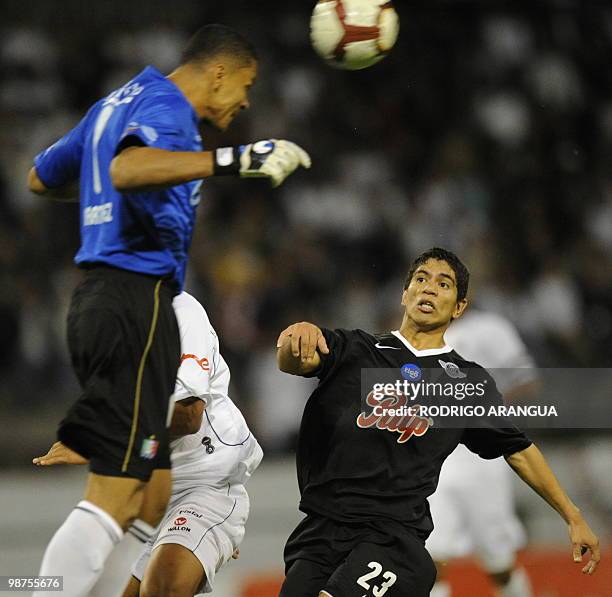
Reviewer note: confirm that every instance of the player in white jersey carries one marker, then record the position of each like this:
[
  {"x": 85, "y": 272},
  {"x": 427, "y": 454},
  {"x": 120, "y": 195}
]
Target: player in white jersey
[
  {"x": 207, "y": 513},
  {"x": 205, "y": 520},
  {"x": 465, "y": 523}
]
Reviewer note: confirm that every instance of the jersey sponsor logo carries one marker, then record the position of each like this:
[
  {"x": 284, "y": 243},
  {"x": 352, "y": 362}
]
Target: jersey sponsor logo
[
  {"x": 411, "y": 372},
  {"x": 149, "y": 447},
  {"x": 98, "y": 214},
  {"x": 408, "y": 425},
  {"x": 381, "y": 346},
  {"x": 451, "y": 369},
  {"x": 178, "y": 527},
  {"x": 203, "y": 362},
  {"x": 192, "y": 512}
]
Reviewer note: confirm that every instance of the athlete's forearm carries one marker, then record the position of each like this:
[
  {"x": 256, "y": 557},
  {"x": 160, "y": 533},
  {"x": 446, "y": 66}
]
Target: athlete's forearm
[
  {"x": 146, "y": 168},
  {"x": 531, "y": 467}
]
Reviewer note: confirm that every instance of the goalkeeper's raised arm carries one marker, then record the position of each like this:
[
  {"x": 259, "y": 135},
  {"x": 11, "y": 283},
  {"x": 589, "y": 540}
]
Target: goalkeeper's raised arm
[
  {"x": 148, "y": 168},
  {"x": 138, "y": 168}
]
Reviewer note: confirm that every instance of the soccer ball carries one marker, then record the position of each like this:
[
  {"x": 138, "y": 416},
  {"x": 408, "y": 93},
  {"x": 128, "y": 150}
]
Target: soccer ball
[{"x": 353, "y": 34}]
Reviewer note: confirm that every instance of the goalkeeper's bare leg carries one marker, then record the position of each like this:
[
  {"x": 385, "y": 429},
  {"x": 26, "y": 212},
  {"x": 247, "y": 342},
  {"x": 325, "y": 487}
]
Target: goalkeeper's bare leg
[{"x": 118, "y": 566}]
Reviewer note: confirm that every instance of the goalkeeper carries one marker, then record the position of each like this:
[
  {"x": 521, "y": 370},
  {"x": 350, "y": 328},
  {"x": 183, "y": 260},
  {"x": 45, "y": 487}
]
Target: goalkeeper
[{"x": 137, "y": 160}]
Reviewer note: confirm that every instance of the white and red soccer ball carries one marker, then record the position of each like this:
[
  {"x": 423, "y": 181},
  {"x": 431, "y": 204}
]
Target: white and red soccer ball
[{"x": 353, "y": 34}]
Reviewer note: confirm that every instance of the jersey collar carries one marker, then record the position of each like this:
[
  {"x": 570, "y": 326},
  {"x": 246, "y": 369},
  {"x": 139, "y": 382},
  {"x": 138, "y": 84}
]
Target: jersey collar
[
  {"x": 151, "y": 70},
  {"x": 428, "y": 352}
]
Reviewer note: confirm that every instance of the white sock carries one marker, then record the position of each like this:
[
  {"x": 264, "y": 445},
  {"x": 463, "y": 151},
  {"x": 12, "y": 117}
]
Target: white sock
[
  {"x": 518, "y": 585},
  {"x": 79, "y": 549},
  {"x": 441, "y": 589},
  {"x": 118, "y": 567}
]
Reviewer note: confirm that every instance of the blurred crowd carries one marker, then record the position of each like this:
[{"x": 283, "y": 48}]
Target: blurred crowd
[{"x": 486, "y": 131}]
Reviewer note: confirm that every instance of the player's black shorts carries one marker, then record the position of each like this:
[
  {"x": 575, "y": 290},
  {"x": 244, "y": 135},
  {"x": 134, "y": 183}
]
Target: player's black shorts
[
  {"x": 125, "y": 348},
  {"x": 353, "y": 560}
]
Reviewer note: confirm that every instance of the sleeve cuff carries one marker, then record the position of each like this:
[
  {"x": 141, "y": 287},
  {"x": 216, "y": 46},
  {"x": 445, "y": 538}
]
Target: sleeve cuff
[{"x": 526, "y": 444}]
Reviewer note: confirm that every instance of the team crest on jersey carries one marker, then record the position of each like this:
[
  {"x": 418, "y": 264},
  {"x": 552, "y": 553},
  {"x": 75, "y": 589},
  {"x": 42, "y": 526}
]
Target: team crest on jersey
[
  {"x": 148, "y": 450},
  {"x": 451, "y": 369},
  {"x": 407, "y": 425}
]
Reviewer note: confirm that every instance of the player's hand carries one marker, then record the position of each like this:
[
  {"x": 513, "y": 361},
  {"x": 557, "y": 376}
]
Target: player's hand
[
  {"x": 59, "y": 454},
  {"x": 306, "y": 339},
  {"x": 272, "y": 158},
  {"x": 236, "y": 554},
  {"x": 584, "y": 539}
]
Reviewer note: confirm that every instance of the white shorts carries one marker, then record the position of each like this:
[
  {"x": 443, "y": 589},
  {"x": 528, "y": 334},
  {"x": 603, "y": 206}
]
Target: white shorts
[
  {"x": 473, "y": 512},
  {"x": 208, "y": 522}
]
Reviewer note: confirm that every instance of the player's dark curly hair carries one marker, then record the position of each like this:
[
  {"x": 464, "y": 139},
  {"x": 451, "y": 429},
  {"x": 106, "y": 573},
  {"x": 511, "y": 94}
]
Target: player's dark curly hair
[
  {"x": 462, "y": 275},
  {"x": 211, "y": 41}
]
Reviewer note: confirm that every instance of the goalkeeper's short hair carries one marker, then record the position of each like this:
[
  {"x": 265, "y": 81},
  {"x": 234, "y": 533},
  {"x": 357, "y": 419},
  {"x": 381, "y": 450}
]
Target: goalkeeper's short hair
[{"x": 212, "y": 41}]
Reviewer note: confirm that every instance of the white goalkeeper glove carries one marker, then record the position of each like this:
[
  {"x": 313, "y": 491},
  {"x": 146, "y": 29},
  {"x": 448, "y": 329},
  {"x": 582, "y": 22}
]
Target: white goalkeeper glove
[{"x": 272, "y": 158}]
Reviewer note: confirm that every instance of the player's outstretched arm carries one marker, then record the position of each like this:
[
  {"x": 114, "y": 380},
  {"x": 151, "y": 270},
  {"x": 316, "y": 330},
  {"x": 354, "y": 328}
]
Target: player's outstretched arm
[
  {"x": 299, "y": 348},
  {"x": 145, "y": 168},
  {"x": 148, "y": 168},
  {"x": 531, "y": 467}
]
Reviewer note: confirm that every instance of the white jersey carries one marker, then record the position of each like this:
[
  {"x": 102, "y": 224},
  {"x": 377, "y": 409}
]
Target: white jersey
[
  {"x": 223, "y": 450},
  {"x": 493, "y": 342}
]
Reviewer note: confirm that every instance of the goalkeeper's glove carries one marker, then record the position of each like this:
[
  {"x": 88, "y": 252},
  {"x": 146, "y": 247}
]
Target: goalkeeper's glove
[{"x": 272, "y": 158}]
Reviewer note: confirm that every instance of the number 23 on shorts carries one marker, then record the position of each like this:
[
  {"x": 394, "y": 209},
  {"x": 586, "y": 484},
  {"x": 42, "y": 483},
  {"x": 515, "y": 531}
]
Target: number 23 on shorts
[{"x": 378, "y": 590}]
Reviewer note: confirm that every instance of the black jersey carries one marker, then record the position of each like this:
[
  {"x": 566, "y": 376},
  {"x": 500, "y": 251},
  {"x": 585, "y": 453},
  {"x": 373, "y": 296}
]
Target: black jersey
[{"x": 350, "y": 470}]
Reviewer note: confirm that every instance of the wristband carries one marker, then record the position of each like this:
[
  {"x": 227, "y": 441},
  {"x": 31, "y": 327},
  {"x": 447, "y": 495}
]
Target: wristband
[{"x": 227, "y": 161}]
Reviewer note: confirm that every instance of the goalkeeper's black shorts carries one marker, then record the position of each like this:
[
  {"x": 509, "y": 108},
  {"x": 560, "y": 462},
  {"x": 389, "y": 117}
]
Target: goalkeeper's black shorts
[{"x": 125, "y": 349}]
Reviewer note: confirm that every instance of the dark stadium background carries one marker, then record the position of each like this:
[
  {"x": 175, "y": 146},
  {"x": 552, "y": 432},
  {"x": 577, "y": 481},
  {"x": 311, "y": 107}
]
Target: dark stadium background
[{"x": 488, "y": 130}]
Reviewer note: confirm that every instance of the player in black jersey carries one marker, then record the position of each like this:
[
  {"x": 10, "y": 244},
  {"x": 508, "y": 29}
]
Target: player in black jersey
[{"x": 364, "y": 479}]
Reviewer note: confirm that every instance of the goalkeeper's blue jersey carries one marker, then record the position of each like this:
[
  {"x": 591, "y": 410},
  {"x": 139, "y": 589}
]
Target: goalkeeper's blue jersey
[{"x": 147, "y": 232}]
